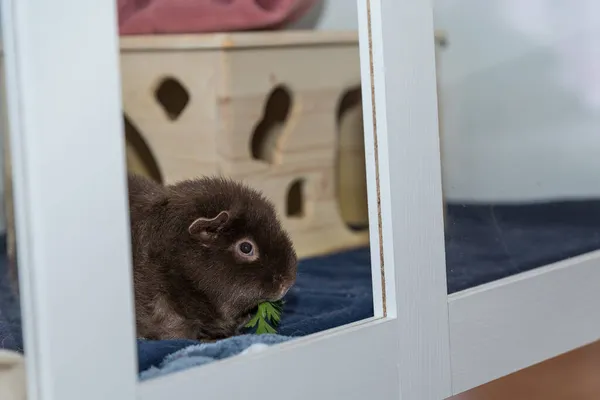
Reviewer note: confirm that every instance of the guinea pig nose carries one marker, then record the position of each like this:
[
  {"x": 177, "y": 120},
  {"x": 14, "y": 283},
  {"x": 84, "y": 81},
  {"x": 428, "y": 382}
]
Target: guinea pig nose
[
  {"x": 283, "y": 290},
  {"x": 284, "y": 287}
]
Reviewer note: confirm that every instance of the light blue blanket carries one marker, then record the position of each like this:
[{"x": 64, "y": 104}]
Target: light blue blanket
[{"x": 193, "y": 355}]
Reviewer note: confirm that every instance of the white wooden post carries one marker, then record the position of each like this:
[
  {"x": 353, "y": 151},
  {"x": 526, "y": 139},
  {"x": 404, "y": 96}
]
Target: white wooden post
[
  {"x": 400, "y": 57},
  {"x": 64, "y": 108}
]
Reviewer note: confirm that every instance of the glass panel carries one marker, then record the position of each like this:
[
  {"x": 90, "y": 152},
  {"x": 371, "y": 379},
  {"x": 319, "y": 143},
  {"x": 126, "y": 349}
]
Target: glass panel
[{"x": 520, "y": 111}]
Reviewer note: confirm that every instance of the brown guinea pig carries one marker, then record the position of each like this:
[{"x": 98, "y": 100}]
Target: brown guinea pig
[{"x": 206, "y": 252}]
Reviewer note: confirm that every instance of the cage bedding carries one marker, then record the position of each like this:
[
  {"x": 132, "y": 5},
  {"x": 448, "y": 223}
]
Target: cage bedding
[{"x": 484, "y": 243}]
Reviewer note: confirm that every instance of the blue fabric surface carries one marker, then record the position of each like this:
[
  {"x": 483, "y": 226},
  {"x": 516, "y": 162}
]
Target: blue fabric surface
[
  {"x": 330, "y": 291},
  {"x": 483, "y": 243}
]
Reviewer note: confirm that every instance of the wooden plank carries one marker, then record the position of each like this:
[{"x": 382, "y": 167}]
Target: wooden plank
[{"x": 401, "y": 61}]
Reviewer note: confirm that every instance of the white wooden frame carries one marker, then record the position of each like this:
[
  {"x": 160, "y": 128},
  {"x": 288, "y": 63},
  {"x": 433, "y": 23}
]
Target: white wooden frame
[
  {"x": 69, "y": 192},
  {"x": 69, "y": 187},
  {"x": 512, "y": 323},
  {"x": 70, "y": 198}
]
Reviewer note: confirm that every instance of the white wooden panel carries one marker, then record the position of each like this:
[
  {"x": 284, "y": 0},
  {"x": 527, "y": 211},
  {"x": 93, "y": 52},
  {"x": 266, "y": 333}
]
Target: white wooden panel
[
  {"x": 343, "y": 364},
  {"x": 68, "y": 158},
  {"x": 407, "y": 142},
  {"x": 510, "y": 324}
]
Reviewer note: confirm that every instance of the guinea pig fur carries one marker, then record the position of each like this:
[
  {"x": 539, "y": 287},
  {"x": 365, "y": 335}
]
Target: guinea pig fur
[{"x": 206, "y": 252}]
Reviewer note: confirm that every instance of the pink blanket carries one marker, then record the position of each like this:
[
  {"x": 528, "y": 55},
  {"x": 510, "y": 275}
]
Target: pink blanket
[{"x": 196, "y": 16}]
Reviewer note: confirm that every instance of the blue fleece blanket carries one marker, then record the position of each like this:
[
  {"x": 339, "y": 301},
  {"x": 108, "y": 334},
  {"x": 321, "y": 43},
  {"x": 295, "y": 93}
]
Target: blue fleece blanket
[{"x": 483, "y": 243}]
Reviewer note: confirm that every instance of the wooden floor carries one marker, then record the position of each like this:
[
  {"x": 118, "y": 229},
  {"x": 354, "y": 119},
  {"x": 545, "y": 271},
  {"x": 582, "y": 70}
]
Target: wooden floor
[{"x": 573, "y": 376}]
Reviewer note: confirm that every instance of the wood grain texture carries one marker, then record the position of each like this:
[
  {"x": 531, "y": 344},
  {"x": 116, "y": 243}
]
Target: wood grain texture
[
  {"x": 572, "y": 376},
  {"x": 68, "y": 164},
  {"x": 505, "y": 326},
  {"x": 406, "y": 128}
]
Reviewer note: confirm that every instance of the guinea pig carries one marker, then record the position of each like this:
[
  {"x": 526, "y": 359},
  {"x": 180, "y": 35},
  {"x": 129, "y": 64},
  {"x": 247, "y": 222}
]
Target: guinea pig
[{"x": 206, "y": 252}]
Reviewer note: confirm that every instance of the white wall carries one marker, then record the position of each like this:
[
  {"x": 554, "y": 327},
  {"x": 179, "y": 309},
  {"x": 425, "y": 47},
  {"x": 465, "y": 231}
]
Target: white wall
[
  {"x": 330, "y": 15},
  {"x": 521, "y": 95}
]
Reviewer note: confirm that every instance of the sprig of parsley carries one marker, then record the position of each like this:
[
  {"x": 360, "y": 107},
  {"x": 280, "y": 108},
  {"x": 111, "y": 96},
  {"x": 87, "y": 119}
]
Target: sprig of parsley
[{"x": 267, "y": 317}]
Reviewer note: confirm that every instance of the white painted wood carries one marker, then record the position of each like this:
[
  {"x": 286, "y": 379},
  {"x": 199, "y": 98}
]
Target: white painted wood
[
  {"x": 404, "y": 355},
  {"x": 405, "y": 109},
  {"x": 510, "y": 324},
  {"x": 63, "y": 94},
  {"x": 343, "y": 364}
]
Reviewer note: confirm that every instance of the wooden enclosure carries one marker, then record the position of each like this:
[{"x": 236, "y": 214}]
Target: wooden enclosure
[{"x": 280, "y": 111}]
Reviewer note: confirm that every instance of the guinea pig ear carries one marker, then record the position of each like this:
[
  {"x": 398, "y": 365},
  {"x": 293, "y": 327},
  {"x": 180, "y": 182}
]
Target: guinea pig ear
[{"x": 208, "y": 228}]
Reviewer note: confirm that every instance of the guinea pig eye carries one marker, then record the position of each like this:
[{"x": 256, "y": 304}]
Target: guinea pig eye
[{"x": 246, "y": 250}]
